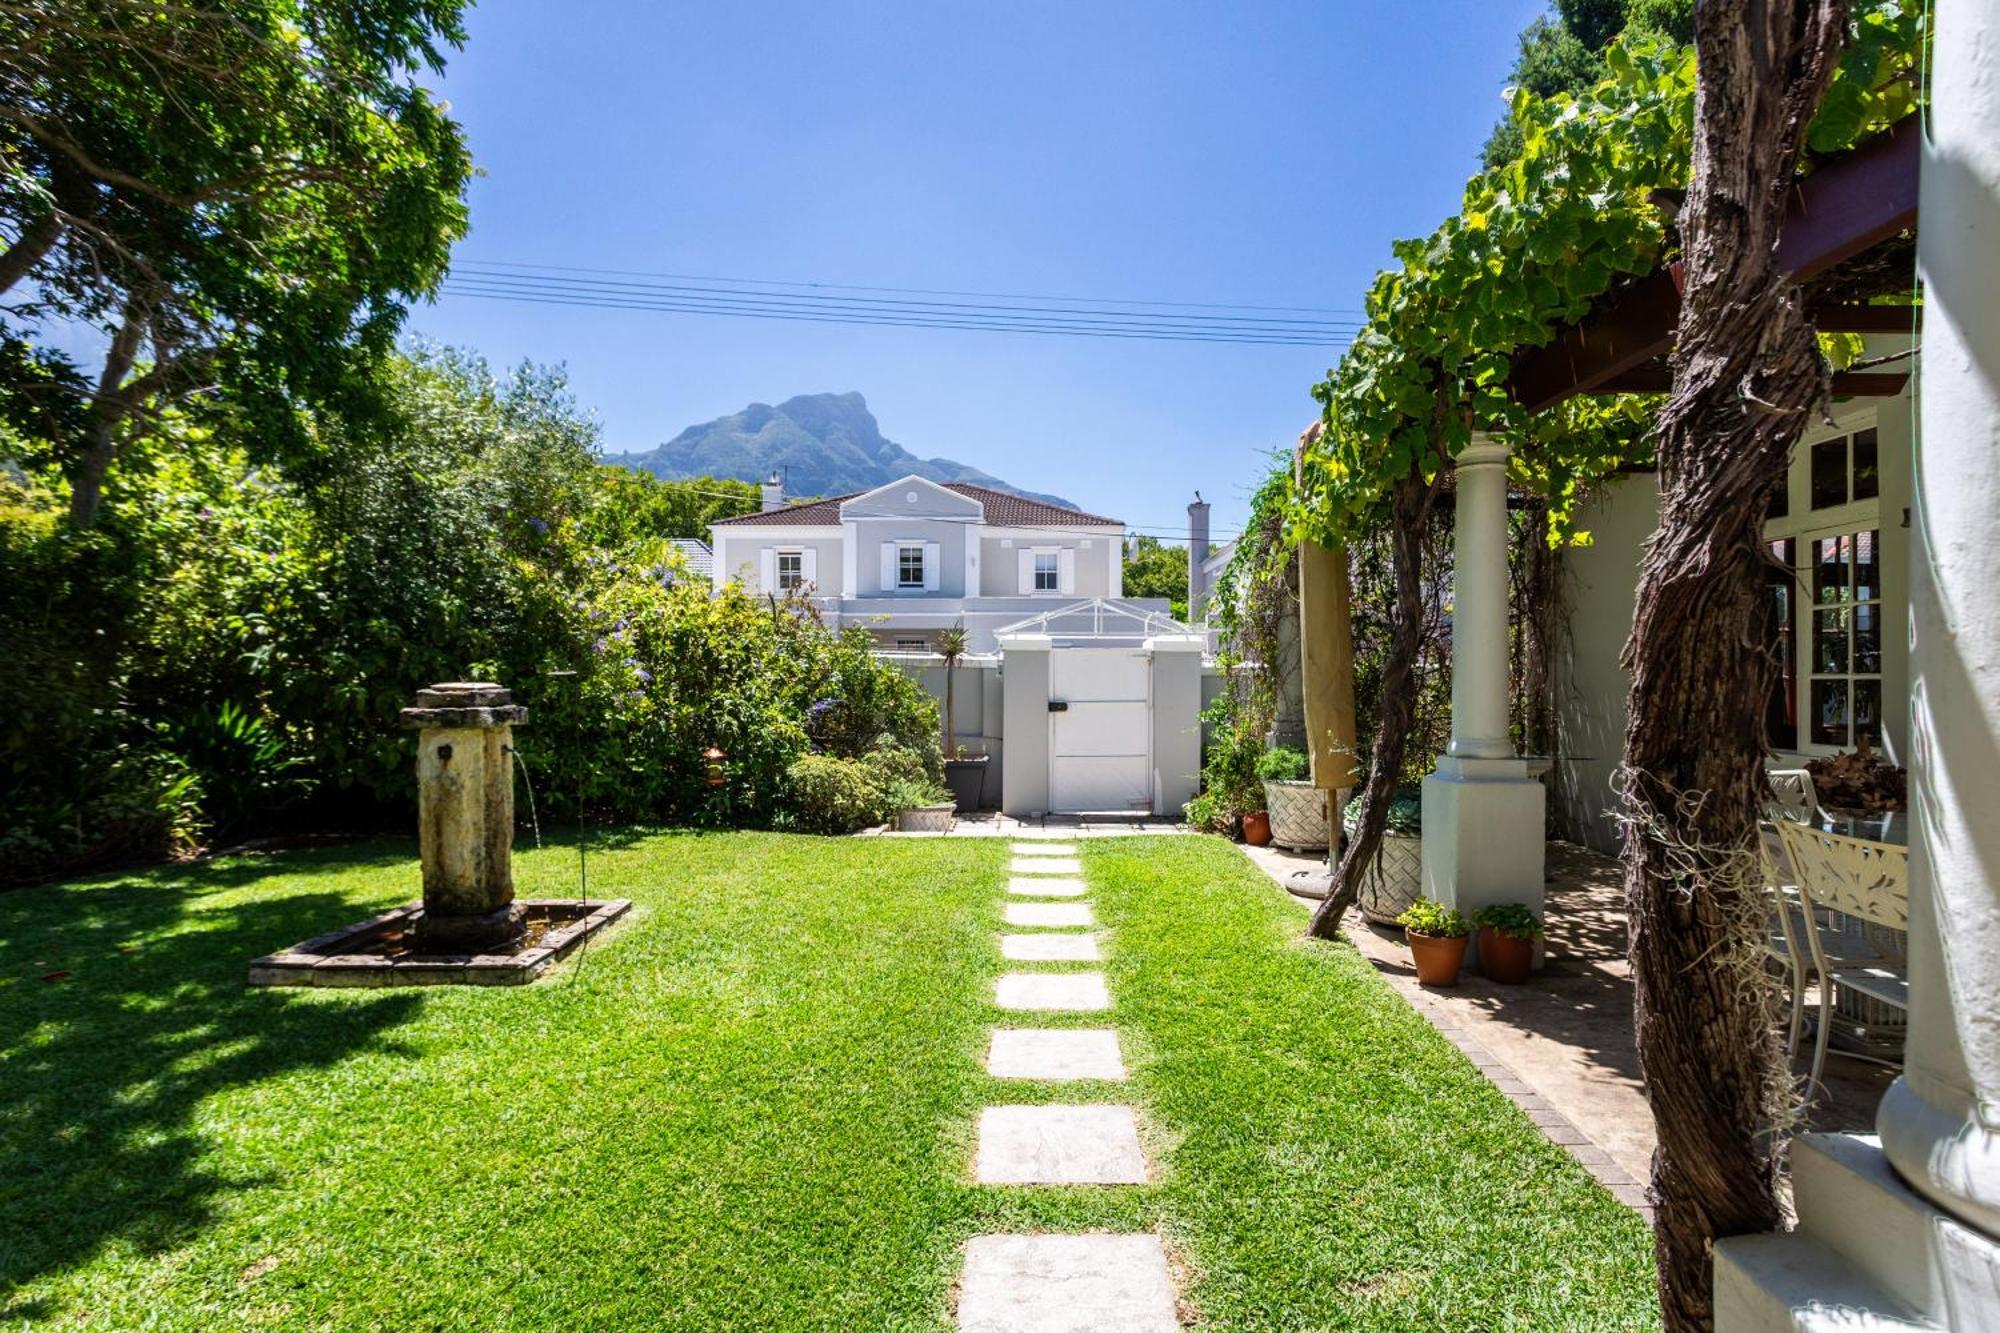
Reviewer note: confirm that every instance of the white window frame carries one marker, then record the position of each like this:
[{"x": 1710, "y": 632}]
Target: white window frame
[
  {"x": 903, "y": 583},
  {"x": 912, "y": 644},
  {"x": 1805, "y": 526},
  {"x": 1054, "y": 571},
  {"x": 797, "y": 578}
]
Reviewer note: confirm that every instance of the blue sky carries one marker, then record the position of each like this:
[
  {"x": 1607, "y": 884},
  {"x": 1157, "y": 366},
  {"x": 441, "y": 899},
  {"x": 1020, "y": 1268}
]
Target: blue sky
[{"x": 1254, "y": 153}]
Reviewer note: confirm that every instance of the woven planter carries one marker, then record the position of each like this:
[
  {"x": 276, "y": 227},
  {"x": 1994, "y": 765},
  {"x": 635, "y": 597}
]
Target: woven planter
[
  {"x": 1298, "y": 815},
  {"x": 925, "y": 819},
  {"x": 1395, "y": 880}
]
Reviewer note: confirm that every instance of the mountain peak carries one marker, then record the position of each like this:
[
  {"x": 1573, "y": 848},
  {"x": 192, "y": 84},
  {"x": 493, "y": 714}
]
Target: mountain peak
[{"x": 823, "y": 443}]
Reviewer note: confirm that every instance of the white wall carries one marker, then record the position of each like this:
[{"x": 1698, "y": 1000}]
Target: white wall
[
  {"x": 870, "y": 533},
  {"x": 1092, "y": 564},
  {"x": 739, "y": 555}
]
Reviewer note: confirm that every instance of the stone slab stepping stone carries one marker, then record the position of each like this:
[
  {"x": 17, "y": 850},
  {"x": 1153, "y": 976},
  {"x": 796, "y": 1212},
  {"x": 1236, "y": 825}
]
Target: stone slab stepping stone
[
  {"x": 1048, "y": 888},
  {"x": 1053, "y": 992},
  {"x": 1044, "y": 849},
  {"x": 1045, "y": 865},
  {"x": 1055, "y": 1054},
  {"x": 1050, "y": 914},
  {"x": 1047, "y": 948},
  {"x": 1066, "y": 1284},
  {"x": 1059, "y": 1145}
]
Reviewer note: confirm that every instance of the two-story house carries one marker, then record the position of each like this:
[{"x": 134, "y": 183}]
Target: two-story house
[{"x": 914, "y": 556}]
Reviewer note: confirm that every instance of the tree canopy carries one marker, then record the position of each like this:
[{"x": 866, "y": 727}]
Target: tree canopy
[
  {"x": 1583, "y": 206},
  {"x": 1155, "y": 569},
  {"x": 239, "y": 191}
]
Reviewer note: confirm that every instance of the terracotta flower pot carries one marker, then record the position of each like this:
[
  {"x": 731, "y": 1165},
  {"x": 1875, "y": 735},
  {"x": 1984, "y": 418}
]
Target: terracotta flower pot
[
  {"x": 1438, "y": 957},
  {"x": 1257, "y": 828},
  {"x": 1503, "y": 958}
]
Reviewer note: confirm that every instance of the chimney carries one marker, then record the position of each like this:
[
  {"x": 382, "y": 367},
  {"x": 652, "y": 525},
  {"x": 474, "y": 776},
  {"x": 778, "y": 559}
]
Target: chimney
[
  {"x": 1197, "y": 554},
  {"x": 774, "y": 492}
]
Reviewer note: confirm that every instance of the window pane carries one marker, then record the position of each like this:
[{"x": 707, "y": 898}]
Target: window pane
[
  {"x": 1781, "y": 714},
  {"x": 1829, "y": 643},
  {"x": 1829, "y": 474},
  {"x": 910, "y": 567},
  {"x": 1829, "y": 712},
  {"x": 1867, "y": 485},
  {"x": 1867, "y": 640},
  {"x": 1831, "y": 558},
  {"x": 1867, "y": 565},
  {"x": 1868, "y": 711},
  {"x": 1779, "y": 502}
]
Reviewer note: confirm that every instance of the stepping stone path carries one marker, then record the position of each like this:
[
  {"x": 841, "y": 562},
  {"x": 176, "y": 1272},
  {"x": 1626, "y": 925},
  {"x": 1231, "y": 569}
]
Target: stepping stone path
[
  {"x": 1091, "y": 1283},
  {"x": 1050, "y": 948},
  {"x": 1047, "y": 888},
  {"x": 1050, "y": 914}
]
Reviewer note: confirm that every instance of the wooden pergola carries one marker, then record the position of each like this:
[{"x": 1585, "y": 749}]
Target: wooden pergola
[{"x": 1849, "y": 235}]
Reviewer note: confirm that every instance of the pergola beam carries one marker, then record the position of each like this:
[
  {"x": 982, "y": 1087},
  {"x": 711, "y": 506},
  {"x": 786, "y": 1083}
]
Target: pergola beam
[{"x": 1842, "y": 210}]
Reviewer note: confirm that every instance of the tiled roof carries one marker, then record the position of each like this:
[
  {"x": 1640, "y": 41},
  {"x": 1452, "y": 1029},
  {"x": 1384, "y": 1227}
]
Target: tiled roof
[
  {"x": 700, "y": 560},
  {"x": 1002, "y": 510}
]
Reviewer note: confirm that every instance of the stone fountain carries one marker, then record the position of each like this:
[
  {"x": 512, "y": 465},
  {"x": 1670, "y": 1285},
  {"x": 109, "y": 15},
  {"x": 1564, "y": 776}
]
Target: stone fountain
[
  {"x": 469, "y": 928},
  {"x": 465, "y": 816}
]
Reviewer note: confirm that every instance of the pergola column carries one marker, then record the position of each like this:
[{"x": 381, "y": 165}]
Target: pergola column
[
  {"x": 1483, "y": 807},
  {"x": 1940, "y": 1121}
]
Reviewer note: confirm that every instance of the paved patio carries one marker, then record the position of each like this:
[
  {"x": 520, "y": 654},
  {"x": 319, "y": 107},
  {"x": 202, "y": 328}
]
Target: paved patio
[{"x": 1563, "y": 1043}]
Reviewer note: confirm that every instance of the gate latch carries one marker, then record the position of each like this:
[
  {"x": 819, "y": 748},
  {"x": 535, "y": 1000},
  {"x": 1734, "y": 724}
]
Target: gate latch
[{"x": 1058, "y": 705}]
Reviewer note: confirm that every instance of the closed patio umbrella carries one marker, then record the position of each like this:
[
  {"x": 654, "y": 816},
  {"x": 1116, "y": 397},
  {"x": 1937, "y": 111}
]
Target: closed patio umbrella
[{"x": 1326, "y": 650}]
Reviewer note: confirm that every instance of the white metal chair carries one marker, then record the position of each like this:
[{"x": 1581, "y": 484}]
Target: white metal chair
[
  {"x": 1869, "y": 881},
  {"x": 1792, "y": 796}
]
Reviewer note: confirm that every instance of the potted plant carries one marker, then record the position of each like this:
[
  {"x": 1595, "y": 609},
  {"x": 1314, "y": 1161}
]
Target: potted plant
[
  {"x": 1507, "y": 935},
  {"x": 1257, "y": 827},
  {"x": 919, "y": 807},
  {"x": 964, "y": 772},
  {"x": 1397, "y": 878},
  {"x": 1437, "y": 936},
  {"x": 1297, "y": 808}
]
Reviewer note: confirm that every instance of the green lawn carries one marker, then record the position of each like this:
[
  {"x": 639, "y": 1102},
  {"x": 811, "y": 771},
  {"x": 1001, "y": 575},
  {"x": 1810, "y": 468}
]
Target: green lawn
[{"x": 749, "y": 1107}]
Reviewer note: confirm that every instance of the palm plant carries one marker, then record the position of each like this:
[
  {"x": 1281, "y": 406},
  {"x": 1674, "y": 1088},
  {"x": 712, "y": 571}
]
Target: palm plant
[{"x": 950, "y": 645}]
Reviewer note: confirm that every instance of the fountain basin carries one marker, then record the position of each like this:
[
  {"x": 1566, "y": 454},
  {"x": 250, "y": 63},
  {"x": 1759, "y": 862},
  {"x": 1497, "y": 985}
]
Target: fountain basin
[{"x": 387, "y": 950}]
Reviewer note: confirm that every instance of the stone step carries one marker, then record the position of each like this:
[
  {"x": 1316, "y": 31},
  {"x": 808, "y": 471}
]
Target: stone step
[
  {"x": 1097, "y": 1283},
  {"x": 1050, "y": 948},
  {"x": 1851, "y": 1201},
  {"x": 1055, "y": 1054},
  {"x": 1053, "y": 992},
  {"x": 1060, "y": 915},
  {"x": 1044, "y": 849},
  {"x": 1788, "y": 1280},
  {"x": 1045, "y": 865},
  {"x": 1059, "y": 1145},
  {"x": 1048, "y": 888}
]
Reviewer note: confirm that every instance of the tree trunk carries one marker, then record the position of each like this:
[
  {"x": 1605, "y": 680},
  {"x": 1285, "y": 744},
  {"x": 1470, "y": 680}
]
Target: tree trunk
[
  {"x": 950, "y": 706},
  {"x": 35, "y": 241},
  {"x": 1409, "y": 511},
  {"x": 108, "y": 409},
  {"x": 1746, "y": 370}
]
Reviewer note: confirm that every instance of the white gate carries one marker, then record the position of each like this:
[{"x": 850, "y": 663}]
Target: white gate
[{"x": 1100, "y": 730}]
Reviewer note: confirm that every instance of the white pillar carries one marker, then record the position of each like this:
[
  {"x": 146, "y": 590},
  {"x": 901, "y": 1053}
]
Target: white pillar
[
  {"x": 1940, "y": 1122},
  {"x": 1479, "y": 606},
  {"x": 1483, "y": 807}
]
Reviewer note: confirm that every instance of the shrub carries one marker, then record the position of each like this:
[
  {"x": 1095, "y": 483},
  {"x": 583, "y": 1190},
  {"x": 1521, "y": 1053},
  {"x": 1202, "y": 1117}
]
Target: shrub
[
  {"x": 1513, "y": 920},
  {"x": 830, "y": 795},
  {"x": 1283, "y": 764},
  {"x": 1406, "y": 812},
  {"x": 1424, "y": 917},
  {"x": 910, "y": 794}
]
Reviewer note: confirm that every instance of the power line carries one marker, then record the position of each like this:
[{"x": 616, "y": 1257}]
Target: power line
[
  {"x": 680, "y": 291},
  {"x": 486, "y": 289},
  {"x": 912, "y": 291}
]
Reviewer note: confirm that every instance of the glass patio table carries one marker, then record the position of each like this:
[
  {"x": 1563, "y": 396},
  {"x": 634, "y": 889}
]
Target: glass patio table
[{"x": 1892, "y": 827}]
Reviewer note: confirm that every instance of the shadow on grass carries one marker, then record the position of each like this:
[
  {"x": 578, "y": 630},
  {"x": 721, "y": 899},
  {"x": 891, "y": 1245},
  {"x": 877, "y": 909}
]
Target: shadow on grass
[{"x": 123, "y": 1006}]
